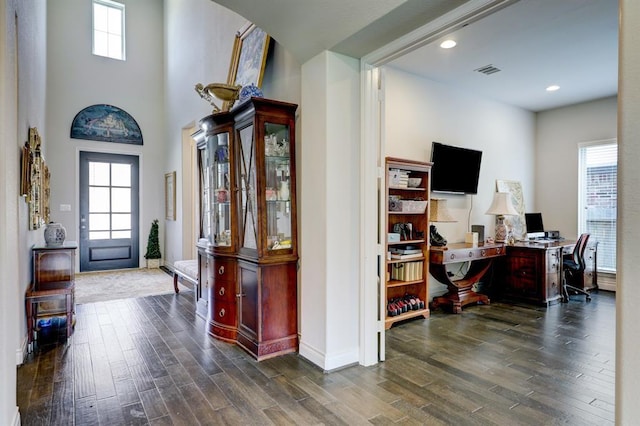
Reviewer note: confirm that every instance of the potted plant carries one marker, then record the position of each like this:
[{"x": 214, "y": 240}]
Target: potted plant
[{"x": 153, "y": 254}]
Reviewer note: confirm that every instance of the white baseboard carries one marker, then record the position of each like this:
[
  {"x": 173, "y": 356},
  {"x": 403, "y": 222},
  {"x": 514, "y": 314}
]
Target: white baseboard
[
  {"x": 328, "y": 362},
  {"x": 606, "y": 281},
  {"x": 21, "y": 352},
  {"x": 16, "y": 418}
]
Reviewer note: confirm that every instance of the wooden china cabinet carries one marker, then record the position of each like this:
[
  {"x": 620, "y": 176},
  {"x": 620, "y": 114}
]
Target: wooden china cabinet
[{"x": 248, "y": 221}]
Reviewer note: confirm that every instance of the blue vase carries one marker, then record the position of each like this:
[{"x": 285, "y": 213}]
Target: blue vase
[{"x": 250, "y": 91}]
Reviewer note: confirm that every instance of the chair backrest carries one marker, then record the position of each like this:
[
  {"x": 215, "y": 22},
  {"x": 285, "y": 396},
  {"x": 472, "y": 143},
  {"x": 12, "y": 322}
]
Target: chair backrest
[{"x": 578, "y": 250}]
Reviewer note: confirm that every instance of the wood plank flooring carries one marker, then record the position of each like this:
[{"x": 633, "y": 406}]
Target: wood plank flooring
[{"x": 148, "y": 361}]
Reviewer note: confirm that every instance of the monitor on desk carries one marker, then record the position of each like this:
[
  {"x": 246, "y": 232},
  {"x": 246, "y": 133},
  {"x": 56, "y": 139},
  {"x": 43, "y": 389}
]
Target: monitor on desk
[{"x": 535, "y": 228}]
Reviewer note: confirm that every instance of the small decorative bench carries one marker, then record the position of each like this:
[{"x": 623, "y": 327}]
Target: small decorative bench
[{"x": 186, "y": 270}]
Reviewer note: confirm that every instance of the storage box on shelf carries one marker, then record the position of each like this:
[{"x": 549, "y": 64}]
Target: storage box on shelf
[{"x": 407, "y": 224}]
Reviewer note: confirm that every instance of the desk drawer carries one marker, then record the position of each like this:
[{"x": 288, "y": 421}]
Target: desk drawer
[
  {"x": 224, "y": 312},
  {"x": 522, "y": 276},
  {"x": 224, "y": 290},
  {"x": 471, "y": 254},
  {"x": 224, "y": 269}
]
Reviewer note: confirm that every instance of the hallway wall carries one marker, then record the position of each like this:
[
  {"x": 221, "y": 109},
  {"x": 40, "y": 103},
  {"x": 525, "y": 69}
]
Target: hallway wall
[
  {"x": 198, "y": 46},
  {"x": 22, "y": 105},
  {"x": 77, "y": 79}
]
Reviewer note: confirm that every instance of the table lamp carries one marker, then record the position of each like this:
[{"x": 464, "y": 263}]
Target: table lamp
[
  {"x": 438, "y": 212},
  {"x": 501, "y": 207}
]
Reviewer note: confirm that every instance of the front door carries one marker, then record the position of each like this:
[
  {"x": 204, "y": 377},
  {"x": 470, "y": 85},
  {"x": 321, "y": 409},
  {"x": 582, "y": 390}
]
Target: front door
[{"x": 109, "y": 205}]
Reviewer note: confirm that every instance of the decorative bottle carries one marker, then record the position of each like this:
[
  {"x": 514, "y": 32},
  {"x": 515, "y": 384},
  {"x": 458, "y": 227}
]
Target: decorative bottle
[{"x": 283, "y": 192}]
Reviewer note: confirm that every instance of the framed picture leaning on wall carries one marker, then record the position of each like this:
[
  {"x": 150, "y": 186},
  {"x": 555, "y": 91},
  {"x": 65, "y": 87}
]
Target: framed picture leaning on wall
[{"x": 249, "y": 56}]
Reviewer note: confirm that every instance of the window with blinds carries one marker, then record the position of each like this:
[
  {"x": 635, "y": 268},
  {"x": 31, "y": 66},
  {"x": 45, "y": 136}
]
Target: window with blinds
[{"x": 598, "y": 197}]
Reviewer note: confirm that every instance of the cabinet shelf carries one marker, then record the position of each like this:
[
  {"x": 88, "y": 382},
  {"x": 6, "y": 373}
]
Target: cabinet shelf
[
  {"x": 406, "y": 242},
  {"x": 400, "y": 188},
  {"x": 412, "y": 259},
  {"x": 389, "y": 321},
  {"x": 405, "y": 213},
  {"x": 396, "y": 283},
  {"x": 394, "y": 288}
]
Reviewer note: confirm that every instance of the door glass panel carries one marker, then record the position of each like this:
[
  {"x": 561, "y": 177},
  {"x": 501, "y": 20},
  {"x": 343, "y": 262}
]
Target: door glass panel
[
  {"x": 248, "y": 188},
  {"x": 221, "y": 184},
  {"x": 121, "y": 200},
  {"x": 278, "y": 190},
  {"x": 121, "y": 221},
  {"x": 120, "y": 174},
  {"x": 121, "y": 234},
  {"x": 99, "y": 235},
  {"x": 98, "y": 199},
  {"x": 98, "y": 173},
  {"x": 109, "y": 193},
  {"x": 98, "y": 221}
]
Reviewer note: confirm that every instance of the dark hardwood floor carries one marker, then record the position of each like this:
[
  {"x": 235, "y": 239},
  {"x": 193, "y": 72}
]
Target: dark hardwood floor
[{"x": 149, "y": 361}]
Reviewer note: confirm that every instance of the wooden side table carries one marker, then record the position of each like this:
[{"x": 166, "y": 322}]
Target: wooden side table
[
  {"x": 61, "y": 290},
  {"x": 53, "y": 279}
]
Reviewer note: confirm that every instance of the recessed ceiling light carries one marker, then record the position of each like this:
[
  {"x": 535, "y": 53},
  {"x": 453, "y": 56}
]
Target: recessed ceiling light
[
  {"x": 553, "y": 88},
  {"x": 448, "y": 44}
]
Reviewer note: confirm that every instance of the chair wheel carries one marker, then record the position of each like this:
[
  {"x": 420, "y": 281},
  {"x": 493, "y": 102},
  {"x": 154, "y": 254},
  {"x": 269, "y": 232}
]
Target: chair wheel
[{"x": 588, "y": 298}]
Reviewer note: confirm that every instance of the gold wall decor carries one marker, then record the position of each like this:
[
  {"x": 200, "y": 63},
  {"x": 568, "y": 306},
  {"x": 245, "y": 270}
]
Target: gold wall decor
[{"x": 35, "y": 183}]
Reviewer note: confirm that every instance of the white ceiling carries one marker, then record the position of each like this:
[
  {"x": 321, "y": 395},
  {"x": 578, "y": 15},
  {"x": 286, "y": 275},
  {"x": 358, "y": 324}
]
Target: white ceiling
[{"x": 535, "y": 43}]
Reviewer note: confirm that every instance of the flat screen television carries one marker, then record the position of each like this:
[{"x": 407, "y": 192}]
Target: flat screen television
[{"x": 455, "y": 170}]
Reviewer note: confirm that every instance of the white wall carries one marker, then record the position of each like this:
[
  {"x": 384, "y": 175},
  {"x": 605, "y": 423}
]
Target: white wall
[
  {"x": 198, "y": 46},
  {"x": 419, "y": 111},
  {"x": 77, "y": 79},
  {"x": 628, "y": 267},
  {"x": 22, "y": 51},
  {"x": 559, "y": 131},
  {"x": 329, "y": 207}
]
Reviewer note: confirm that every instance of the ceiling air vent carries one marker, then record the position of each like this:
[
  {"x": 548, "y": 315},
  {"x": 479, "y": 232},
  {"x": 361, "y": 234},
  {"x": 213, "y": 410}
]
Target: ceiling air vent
[{"x": 488, "y": 69}]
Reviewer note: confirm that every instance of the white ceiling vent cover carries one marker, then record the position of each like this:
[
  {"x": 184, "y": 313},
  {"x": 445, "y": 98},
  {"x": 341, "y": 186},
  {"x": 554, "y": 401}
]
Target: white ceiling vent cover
[{"x": 488, "y": 69}]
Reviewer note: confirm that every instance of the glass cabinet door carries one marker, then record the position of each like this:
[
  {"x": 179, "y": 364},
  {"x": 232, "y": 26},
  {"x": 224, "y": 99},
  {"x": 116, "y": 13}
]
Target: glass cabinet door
[
  {"x": 248, "y": 201},
  {"x": 277, "y": 186},
  {"x": 206, "y": 230},
  {"x": 220, "y": 190}
]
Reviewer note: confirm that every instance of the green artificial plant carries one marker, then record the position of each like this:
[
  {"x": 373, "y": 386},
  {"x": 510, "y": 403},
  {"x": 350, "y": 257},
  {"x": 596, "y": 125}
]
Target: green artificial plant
[{"x": 153, "y": 246}]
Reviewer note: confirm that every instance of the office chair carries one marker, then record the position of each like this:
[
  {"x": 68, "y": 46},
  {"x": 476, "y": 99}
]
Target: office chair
[{"x": 573, "y": 267}]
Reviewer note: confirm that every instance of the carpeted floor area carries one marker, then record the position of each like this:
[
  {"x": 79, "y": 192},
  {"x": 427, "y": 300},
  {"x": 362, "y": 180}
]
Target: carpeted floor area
[{"x": 123, "y": 284}]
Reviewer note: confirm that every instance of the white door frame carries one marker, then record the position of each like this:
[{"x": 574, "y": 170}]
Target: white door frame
[{"x": 372, "y": 151}]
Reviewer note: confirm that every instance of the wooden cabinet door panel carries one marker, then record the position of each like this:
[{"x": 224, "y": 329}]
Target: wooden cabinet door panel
[
  {"x": 522, "y": 275},
  {"x": 279, "y": 301},
  {"x": 249, "y": 300}
]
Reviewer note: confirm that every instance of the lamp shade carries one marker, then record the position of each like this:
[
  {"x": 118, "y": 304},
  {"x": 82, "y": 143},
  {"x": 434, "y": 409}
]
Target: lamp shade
[
  {"x": 438, "y": 211},
  {"x": 501, "y": 205}
]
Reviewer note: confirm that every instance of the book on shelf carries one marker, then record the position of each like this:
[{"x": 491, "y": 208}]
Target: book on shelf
[
  {"x": 395, "y": 250},
  {"x": 406, "y": 256},
  {"x": 410, "y": 271}
]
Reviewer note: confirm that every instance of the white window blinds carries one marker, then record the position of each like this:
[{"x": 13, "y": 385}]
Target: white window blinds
[{"x": 598, "y": 165}]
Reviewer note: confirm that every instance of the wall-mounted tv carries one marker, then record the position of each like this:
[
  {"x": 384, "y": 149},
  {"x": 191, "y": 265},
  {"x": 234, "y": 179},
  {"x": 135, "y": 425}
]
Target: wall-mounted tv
[{"x": 455, "y": 170}]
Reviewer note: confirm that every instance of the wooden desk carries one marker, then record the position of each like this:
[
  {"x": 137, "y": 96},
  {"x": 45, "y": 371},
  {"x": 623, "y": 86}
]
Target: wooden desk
[
  {"x": 460, "y": 291},
  {"x": 533, "y": 271}
]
